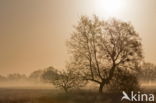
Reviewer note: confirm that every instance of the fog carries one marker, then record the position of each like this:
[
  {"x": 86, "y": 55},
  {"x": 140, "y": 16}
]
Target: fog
[
  {"x": 29, "y": 84},
  {"x": 26, "y": 85}
]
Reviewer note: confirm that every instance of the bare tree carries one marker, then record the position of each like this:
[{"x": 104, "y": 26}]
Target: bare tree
[
  {"x": 100, "y": 47},
  {"x": 64, "y": 79}
]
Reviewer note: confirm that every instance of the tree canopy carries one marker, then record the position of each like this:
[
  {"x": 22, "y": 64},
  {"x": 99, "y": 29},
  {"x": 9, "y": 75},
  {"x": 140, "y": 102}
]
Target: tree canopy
[{"x": 99, "y": 47}]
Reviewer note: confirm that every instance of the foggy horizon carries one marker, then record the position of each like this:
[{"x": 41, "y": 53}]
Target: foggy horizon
[{"x": 33, "y": 34}]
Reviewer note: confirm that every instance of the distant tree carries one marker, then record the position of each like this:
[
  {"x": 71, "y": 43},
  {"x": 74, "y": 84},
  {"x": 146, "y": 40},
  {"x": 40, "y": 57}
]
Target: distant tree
[
  {"x": 2, "y": 78},
  {"x": 99, "y": 47},
  {"x": 63, "y": 79},
  {"x": 36, "y": 75},
  {"x": 16, "y": 77},
  {"x": 50, "y": 74},
  {"x": 148, "y": 72}
]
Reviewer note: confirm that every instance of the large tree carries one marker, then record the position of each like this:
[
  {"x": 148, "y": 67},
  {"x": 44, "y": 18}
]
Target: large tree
[{"x": 100, "y": 47}]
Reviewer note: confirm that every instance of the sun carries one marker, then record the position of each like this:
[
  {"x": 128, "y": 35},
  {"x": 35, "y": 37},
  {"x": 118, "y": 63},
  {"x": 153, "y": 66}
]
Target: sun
[{"x": 109, "y": 7}]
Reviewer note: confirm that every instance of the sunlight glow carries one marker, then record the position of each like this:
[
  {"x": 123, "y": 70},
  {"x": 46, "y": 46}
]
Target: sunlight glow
[{"x": 109, "y": 7}]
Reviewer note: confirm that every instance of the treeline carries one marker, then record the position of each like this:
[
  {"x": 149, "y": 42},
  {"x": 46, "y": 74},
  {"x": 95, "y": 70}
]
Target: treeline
[
  {"x": 147, "y": 72},
  {"x": 17, "y": 77},
  {"x": 69, "y": 79}
]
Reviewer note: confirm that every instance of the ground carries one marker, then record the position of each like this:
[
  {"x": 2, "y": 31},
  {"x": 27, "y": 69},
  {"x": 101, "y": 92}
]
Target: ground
[{"x": 36, "y": 95}]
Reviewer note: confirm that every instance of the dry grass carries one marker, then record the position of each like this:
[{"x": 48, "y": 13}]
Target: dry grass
[{"x": 12, "y": 95}]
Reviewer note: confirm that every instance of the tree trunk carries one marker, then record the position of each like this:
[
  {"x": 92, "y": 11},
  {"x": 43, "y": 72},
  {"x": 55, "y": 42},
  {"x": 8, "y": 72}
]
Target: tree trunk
[
  {"x": 101, "y": 88},
  {"x": 65, "y": 89},
  {"x": 106, "y": 81}
]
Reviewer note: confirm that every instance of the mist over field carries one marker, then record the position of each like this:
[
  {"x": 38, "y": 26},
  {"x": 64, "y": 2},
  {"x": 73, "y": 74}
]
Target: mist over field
[
  {"x": 25, "y": 84},
  {"x": 31, "y": 92}
]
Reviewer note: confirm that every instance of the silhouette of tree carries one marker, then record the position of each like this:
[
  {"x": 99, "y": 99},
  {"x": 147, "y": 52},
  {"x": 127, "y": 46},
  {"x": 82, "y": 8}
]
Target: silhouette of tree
[
  {"x": 50, "y": 74},
  {"x": 147, "y": 72},
  {"x": 36, "y": 75},
  {"x": 98, "y": 47},
  {"x": 63, "y": 79},
  {"x": 16, "y": 77},
  {"x": 2, "y": 78}
]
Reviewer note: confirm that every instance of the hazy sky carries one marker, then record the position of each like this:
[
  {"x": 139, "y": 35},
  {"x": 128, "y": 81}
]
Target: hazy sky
[{"x": 33, "y": 32}]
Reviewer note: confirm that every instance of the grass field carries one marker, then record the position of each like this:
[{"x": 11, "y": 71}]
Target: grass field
[{"x": 36, "y": 95}]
